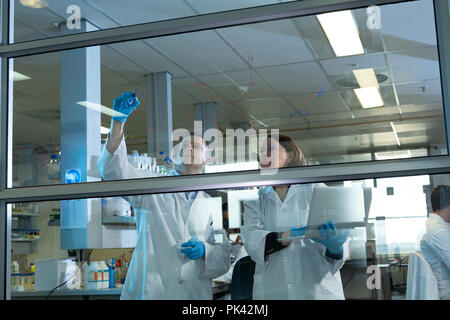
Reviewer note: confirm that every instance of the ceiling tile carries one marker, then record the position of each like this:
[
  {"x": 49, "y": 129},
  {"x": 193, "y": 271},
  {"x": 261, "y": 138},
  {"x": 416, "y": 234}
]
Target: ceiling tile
[
  {"x": 328, "y": 102},
  {"x": 414, "y": 65},
  {"x": 296, "y": 78},
  {"x": 286, "y": 45},
  {"x": 199, "y": 53},
  {"x": 345, "y": 65},
  {"x": 420, "y": 92}
]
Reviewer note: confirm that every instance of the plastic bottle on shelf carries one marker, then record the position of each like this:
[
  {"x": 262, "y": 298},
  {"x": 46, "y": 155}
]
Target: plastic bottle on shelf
[
  {"x": 118, "y": 271},
  {"x": 15, "y": 267},
  {"x": 92, "y": 277},
  {"x": 99, "y": 266},
  {"x": 124, "y": 269},
  {"x": 124, "y": 272},
  {"x": 112, "y": 273},
  {"x": 149, "y": 163},
  {"x": 105, "y": 275},
  {"x": 133, "y": 158},
  {"x": 145, "y": 162}
]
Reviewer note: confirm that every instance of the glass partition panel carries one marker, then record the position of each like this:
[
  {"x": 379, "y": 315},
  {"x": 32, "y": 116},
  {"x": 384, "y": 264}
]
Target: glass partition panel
[
  {"x": 39, "y": 19},
  {"x": 232, "y": 88},
  {"x": 339, "y": 240}
]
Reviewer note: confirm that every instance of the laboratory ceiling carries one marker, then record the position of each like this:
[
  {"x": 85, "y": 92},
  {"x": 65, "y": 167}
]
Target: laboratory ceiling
[{"x": 283, "y": 65}]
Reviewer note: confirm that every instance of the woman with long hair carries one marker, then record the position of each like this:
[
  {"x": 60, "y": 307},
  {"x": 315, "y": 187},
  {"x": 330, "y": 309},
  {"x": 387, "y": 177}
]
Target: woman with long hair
[{"x": 290, "y": 269}]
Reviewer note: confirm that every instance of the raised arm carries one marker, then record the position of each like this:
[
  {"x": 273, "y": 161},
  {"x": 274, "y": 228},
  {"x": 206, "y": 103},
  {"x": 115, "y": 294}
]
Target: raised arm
[
  {"x": 123, "y": 106},
  {"x": 113, "y": 161},
  {"x": 115, "y": 136}
]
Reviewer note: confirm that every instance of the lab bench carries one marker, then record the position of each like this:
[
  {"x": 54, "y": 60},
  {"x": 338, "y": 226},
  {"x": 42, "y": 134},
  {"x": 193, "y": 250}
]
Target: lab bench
[
  {"x": 219, "y": 289},
  {"x": 68, "y": 294}
]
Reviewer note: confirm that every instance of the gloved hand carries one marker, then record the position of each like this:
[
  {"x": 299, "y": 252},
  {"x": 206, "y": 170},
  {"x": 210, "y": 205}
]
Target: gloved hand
[
  {"x": 331, "y": 238},
  {"x": 124, "y": 105},
  {"x": 297, "y": 232},
  {"x": 196, "y": 250}
]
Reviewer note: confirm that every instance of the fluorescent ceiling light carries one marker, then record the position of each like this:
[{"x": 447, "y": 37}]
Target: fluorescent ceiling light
[
  {"x": 104, "y": 130},
  {"x": 34, "y": 3},
  {"x": 395, "y": 133},
  {"x": 100, "y": 108},
  {"x": 240, "y": 166},
  {"x": 366, "y": 78},
  {"x": 389, "y": 155},
  {"x": 342, "y": 32},
  {"x": 369, "y": 97},
  {"x": 16, "y": 76}
]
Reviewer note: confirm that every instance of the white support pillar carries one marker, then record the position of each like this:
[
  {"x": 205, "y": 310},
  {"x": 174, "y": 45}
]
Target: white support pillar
[
  {"x": 80, "y": 139},
  {"x": 159, "y": 113}
]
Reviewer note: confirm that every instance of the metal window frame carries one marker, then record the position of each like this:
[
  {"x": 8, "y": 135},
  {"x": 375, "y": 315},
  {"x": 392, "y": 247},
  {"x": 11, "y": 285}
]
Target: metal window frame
[
  {"x": 5, "y": 217},
  {"x": 311, "y": 174},
  {"x": 186, "y": 24}
]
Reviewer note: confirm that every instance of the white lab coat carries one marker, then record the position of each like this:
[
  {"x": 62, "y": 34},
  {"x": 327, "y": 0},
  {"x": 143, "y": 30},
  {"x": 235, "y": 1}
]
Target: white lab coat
[
  {"x": 435, "y": 247},
  {"x": 300, "y": 271},
  {"x": 158, "y": 270},
  {"x": 421, "y": 283}
]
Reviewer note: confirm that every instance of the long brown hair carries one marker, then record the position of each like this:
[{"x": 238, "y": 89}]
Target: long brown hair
[{"x": 290, "y": 145}]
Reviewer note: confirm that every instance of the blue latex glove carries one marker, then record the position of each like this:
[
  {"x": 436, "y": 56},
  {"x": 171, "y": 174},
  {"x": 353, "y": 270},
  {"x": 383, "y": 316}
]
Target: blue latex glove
[
  {"x": 125, "y": 104},
  {"x": 331, "y": 238},
  {"x": 196, "y": 250},
  {"x": 297, "y": 232}
]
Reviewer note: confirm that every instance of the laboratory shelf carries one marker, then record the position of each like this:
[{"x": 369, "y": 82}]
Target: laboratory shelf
[
  {"x": 25, "y": 240},
  {"x": 67, "y": 292},
  {"x": 219, "y": 287},
  {"x": 25, "y": 214}
]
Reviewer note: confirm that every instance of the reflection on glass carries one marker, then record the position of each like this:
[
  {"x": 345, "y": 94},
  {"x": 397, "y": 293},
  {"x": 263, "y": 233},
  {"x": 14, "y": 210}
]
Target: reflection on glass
[
  {"x": 256, "y": 241},
  {"x": 278, "y": 235},
  {"x": 30, "y": 16},
  {"x": 175, "y": 229},
  {"x": 233, "y": 90}
]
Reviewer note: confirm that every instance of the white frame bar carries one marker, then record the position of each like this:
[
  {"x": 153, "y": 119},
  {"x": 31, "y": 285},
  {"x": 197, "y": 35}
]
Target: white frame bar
[{"x": 241, "y": 179}]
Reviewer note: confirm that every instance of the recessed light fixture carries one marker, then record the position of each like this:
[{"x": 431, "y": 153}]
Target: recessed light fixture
[
  {"x": 252, "y": 165},
  {"x": 389, "y": 155},
  {"x": 342, "y": 32},
  {"x": 34, "y": 3},
  {"x": 366, "y": 78},
  {"x": 369, "y": 97},
  {"x": 369, "y": 94}
]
